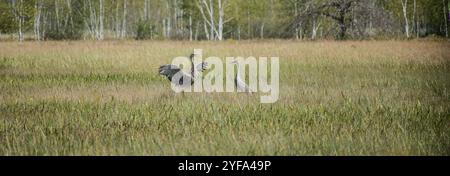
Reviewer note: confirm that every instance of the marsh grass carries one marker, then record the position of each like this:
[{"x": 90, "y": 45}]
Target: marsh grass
[{"x": 336, "y": 98}]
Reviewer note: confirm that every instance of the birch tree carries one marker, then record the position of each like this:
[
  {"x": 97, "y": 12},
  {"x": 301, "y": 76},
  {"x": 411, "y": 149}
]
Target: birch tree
[
  {"x": 220, "y": 19},
  {"x": 124, "y": 20},
  {"x": 102, "y": 13},
  {"x": 146, "y": 10},
  {"x": 207, "y": 18},
  {"x": 95, "y": 20},
  {"x": 117, "y": 20},
  {"x": 315, "y": 27},
  {"x": 206, "y": 9},
  {"x": 299, "y": 9},
  {"x": 405, "y": 15},
  {"x": 17, "y": 10},
  {"x": 445, "y": 11},
  {"x": 415, "y": 26},
  {"x": 190, "y": 28},
  {"x": 221, "y": 22},
  {"x": 37, "y": 20}
]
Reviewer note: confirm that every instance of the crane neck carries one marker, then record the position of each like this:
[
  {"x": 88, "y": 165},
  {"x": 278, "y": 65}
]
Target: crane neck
[
  {"x": 238, "y": 70},
  {"x": 192, "y": 68}
]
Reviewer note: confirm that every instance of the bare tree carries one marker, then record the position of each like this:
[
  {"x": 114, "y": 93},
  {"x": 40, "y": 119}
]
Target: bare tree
[
  {"x": 342, "y": 8},
  {"x": 337, "y": 10}
]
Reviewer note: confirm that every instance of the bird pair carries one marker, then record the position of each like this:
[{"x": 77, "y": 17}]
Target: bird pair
[{"x": 170, "y": 70}]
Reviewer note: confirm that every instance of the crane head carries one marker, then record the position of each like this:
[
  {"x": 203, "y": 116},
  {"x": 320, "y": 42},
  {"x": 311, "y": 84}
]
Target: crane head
[{"x": 192, "y": 56}]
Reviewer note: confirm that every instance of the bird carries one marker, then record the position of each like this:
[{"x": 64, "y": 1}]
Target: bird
[
  {"x": 238, "y": 82},
  {"x": 170, "y": 70}
]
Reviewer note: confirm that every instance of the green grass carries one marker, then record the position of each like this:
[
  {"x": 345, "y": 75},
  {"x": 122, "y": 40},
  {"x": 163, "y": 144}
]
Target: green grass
[{"x": 336, "y": 98}]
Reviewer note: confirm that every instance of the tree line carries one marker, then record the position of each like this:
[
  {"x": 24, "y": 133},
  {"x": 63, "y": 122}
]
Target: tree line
[{"x": 222, "y": 19}]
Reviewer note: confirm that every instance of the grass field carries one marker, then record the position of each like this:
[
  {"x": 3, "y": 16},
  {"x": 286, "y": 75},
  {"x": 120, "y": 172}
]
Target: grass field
[{"x": 336, "y": 98}]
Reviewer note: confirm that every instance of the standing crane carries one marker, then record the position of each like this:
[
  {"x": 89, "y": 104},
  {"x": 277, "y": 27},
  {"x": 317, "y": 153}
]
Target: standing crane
[{"x": 239, "y": 82}]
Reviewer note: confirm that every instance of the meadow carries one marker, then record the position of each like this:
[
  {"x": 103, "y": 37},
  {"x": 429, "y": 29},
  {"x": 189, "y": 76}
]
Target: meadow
[{"x": 336, "y": 98}]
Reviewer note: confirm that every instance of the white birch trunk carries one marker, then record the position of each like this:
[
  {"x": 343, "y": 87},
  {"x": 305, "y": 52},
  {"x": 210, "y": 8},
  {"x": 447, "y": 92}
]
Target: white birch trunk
[
  {"x": 117, "y": 21},
  {"x": 37, "y": 20},
  {"x": 190, "y": 28},
  {"x": 168, "y": 22},
  {"x": 102, "y": 13},
  {"x": 220, "y": 23},
  {"x": 169, "y": 28},
  {"x": 297, "y": 25},
  {"x": 445, "y": 6},
  {"x": 164, "y": 28},
  {"x": 405, "y": 15},
  {"x": 262, "y": 31},
  {"x": 206, "y": 31},
  {"x": 208, "y": 18},
  {"x": 146, "y": 9},
  {"x": 124, "y": 20},
  {"x": 16, "y": 8},
  {"x": 44, "y": 23},
  {"x": 211, "y": 17},
  {"x": 196, "y": 31},
  {"x": 314, "y": 29},
  {"x": 93, "y": 30},
  {"x": 301, "y": 33},
  {"x": 414, "y": 19},
  {"x": 239, "y": 32},
  {"x": 20, "y": 9},
  {"x": 57, "y": 15}
]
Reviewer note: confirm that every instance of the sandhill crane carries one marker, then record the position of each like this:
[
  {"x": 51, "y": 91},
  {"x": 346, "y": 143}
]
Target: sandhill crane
[
  {"x": 169, "y": 71},
  {"x": 238, "y": 82}
]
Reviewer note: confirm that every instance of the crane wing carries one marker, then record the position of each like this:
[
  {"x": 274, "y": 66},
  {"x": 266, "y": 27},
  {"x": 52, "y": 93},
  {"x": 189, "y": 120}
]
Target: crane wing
[
  {"x": 202, "y": 66},
  {"x": 168, "y": 70}
]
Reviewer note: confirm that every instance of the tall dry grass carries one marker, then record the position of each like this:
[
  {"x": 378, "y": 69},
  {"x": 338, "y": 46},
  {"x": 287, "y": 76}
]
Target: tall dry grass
[{"x": 336, "y": 98}]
